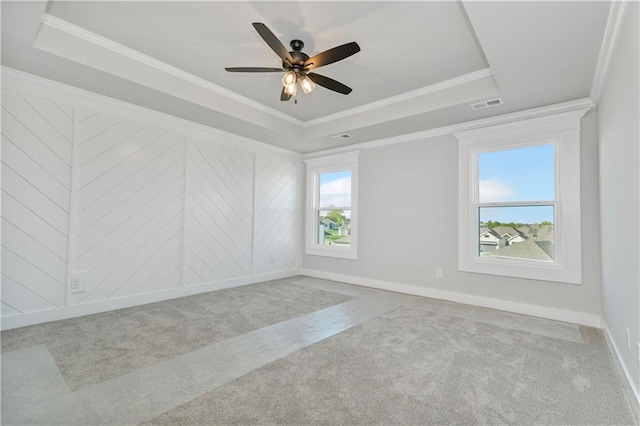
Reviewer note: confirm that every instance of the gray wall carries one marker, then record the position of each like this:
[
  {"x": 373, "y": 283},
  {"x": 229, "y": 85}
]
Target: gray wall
[
  {"x": 413, "y": 187},
  {"x": 620, "y": 188}
]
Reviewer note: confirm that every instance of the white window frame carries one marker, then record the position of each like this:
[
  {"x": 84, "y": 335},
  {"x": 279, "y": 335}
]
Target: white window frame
[
  {"x": 563, "y": 131},
  {"x": 315, "y": 167}
]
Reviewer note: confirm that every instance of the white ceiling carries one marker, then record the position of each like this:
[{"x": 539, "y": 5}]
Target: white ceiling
[{"x": 421, "y": 64}]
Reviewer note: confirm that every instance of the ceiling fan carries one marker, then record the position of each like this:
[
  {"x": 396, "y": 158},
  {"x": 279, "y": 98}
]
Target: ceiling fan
[{"x": 297, "y": 65}]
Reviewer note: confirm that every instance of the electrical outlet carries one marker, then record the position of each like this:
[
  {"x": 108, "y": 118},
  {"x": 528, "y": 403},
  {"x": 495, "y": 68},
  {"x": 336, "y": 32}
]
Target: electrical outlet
[
  {"x": 78, "y": 282},
  {"x": 438, "y": 273},
  {"x": 272, "y": 260}
]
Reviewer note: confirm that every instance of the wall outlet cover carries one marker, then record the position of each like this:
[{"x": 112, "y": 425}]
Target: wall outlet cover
[{"x": 78, "y": 282}]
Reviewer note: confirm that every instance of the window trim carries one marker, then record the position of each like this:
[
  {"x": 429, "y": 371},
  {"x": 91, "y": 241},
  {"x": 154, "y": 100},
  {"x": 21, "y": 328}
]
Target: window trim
[
  {"x": 563, "y": 130},
  {"x": 315, "y": 167}
]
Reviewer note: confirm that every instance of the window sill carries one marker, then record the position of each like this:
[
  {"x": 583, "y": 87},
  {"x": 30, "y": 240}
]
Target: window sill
[
  {"x": 533, "y": 270},
  {"x": 333, "y": 251}
]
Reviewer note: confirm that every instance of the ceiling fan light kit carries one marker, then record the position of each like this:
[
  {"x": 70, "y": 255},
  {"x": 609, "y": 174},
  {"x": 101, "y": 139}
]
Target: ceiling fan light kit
[
  {"x": 307, "y": 84},
  {"x": 297, "y": 64},
  {"x": 290, "y": 77},
  {"x": 291, "y": 89}
]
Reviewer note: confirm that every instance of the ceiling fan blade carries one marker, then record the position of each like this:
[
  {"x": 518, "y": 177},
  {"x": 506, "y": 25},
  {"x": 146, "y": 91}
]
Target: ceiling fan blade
[
  {"x": 332, "y": 55},
  {"x": 273, "y": 42},
  {"x": 253, "y": 69},
  {"x": 284, "y": 96},
  {"x": 329, "y": 83}
]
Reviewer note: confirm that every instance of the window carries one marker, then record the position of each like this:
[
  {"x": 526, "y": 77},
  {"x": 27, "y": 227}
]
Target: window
[
  {"x": 519, "y": 199},
  {"x": 332, "y": 199},
  {"x": 516, "y": 197}
]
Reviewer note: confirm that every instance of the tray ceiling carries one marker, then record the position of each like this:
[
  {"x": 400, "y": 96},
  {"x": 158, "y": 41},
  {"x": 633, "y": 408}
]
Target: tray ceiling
[{"x": 421, "y": 62}]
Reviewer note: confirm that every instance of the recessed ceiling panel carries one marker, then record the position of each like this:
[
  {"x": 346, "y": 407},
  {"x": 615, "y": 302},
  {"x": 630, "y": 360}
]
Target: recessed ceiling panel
[
  {"x": 405, "y": 45},
  {"x": 545, "y": 52},
  {"x": 537, "y": 53}
]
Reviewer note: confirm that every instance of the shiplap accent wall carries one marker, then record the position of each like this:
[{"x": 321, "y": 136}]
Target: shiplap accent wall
[
  {"x": 276, "y": 215},
  {"x": 146, "y": 211},
  {"x": 129, "y": 214},
  {"x": 219, "y": 212},
  {"x": 36, "y": 172}
]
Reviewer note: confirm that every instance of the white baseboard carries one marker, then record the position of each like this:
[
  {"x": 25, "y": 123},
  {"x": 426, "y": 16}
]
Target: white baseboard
[
  {"x": 632, "y": 391},
  {"x": 580, "y": 318},
  {"x": 38, "y": 317}
]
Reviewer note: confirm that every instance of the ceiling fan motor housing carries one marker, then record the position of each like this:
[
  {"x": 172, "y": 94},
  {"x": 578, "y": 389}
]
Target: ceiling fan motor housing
[
  {"x": 296, "y": 45},
  {"x": 298, "y": 56}
]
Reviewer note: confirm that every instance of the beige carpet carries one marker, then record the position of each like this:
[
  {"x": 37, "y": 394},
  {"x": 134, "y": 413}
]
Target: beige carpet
[{"x": 308, "y": 351}]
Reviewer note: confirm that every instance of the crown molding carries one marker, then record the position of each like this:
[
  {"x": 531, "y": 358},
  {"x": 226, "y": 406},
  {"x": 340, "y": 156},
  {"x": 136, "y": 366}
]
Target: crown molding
[
  {"x": 443, "y": 85},
  {"x": 609, "y": 40},
  {"x": 576, "y": 105},
  {"x": 52, "y": 43},
  {"x": 105, "y": 43},
  {"x": 330, "y": 160},
  {"x": 558, "y": 122}
]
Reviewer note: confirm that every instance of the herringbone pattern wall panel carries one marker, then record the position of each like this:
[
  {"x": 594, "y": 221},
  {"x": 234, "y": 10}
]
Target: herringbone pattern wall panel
[
  {"x": 276, "y": 214},
  {"x": 218, "y": 212},
  {"x": 36, "y": 171},
  {"x": 129, "y": 220},
  {"x": 136, "y": 210}
]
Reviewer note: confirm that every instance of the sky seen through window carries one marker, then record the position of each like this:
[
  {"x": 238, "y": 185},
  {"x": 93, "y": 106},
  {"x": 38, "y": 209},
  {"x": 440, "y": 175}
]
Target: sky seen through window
[
  {"x": 335, "y": 189},
  {"x": 522, "y": 174}
]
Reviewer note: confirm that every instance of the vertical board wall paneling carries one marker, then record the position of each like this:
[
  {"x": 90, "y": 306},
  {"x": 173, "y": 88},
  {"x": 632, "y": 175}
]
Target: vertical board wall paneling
[
  {"x": 36, "y": 171},
  {"x": 276, "y": 214},
  {"x": 218, "y": 213},
  {"x": 129, "y": 219}
]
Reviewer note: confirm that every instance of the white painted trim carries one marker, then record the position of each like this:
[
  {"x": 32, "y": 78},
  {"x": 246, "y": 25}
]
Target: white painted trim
[
  {"x": 98, "y": 41},
  {"x": 186, "y": 188},
  {"x": 437, "y": 87},
  {"x": 105, "y": 43},
  {"x": 630, "y": 388},
  {"x": 609, "y": 41},
  {"x": 315, "y": 166},
  {"x": 302, "y": 214},
  {"x": 332, "y": 160},
  {"x": 578, "y": 104},
  {"x": 560, "y": 122},
  {"x": 38, "y": 317},
  {"x": 73, "y": 210},
  {"x": 563, "y": 131},
  {"x": 581, "y": 318},
  {"x": 42, "y": 88}
]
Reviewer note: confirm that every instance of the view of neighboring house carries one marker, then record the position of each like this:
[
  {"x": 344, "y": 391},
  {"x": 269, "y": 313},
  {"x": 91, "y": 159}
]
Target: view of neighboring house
[
  {"x": 538, "y": 232},
  {"x": 499, "y": 236},
  {"x": 490, "y": 239},
  {"x": 344, "y": 232},
  {"x": 329, "y": 223},
  {"x": 331, "y": 232},
  {"x": 533, "y": 242},
  {"x": 510, "y": 235},
  {"x": 345, "y": 228}
]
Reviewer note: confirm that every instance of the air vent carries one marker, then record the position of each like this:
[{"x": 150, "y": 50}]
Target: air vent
[
  {"x": 487, "y": 104},
  {"x": 341, "y": 136}
]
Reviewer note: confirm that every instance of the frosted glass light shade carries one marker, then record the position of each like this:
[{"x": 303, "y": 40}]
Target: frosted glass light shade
[
  {"x": 306, "y": 84},
  {"x": 289, "y": 77},
  {"x": 291, "y": 89}
]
